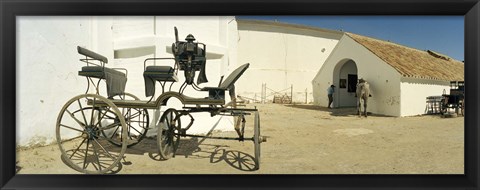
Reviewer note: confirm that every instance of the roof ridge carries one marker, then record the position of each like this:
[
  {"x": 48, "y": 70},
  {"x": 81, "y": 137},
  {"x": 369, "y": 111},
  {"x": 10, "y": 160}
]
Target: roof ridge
[
  {"x": 412, "y": 62},
  {"x": 403, "y": 46},
  {"x": 388, "y": 41}
]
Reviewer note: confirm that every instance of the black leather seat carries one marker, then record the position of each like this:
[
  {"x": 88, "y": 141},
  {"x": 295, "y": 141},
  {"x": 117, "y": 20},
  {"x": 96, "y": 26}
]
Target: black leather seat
[
  {"x": 161, "y": 73},
  {"x": 99, "y": 72}
]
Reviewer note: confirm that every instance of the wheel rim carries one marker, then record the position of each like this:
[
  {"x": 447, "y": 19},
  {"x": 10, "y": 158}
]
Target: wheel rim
[
  {"x": 78, "y": 133},
  {"x": 256, "y": 140},
  {"x": 168, "y": 133},
  {"x": 137, "y": 121}
]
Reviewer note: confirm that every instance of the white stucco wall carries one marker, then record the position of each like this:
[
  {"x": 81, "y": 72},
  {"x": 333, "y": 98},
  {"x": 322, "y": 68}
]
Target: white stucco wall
[
  {"x": 281, "y": 55},
  {"x": 48, "y": 62},
  {"x": 47, "y": 66},
  {"x": 384, "y": 80},
  {"x": 415, "y": 91}
]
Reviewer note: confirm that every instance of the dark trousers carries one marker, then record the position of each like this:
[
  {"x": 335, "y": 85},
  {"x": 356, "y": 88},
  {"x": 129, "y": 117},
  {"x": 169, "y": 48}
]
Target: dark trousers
[{"x": 330, "y": 99}]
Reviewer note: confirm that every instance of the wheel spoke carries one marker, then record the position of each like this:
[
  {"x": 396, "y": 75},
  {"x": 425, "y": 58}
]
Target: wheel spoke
[
  {"x": 86, "y": 155},
  {"x": 135, "y": 115},
  {"x": 247, "y": 162},
  {"x": 135, "y": 129},
  {"x": 96, "y": 155},
  {"x": 72, "y": 128},
  {"x": 104, "y": 150},
  {"x": 114, "y": 133},
  {"x": 167, "y": 121},
  {"x": 93, "y": 111},
  {"x": 78, "y": 121},
  {"x": 110, "y": 126},
  {"x": 81, "y": 109},
  {"x": 100, "y": 119},
  {"x": 77, "y": 148}
]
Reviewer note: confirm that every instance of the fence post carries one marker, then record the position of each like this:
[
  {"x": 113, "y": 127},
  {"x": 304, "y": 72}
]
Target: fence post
[
  {"x": 291, "y": 94},
  {"x": 306, "y": 95},
  {"x": 264, "y": 92},
  {"x": 261, "y": 94}
]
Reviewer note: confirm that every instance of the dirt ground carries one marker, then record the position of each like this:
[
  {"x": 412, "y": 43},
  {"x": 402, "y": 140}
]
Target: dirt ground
[{"x": 302, "y": 139}]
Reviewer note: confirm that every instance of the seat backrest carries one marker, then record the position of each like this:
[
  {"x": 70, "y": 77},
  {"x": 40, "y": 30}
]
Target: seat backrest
[
  {"x": 234, "y": 76},
  {"x": 92, "y": 54}
]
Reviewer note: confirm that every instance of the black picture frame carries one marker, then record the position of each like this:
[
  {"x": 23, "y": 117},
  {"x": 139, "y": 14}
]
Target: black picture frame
[{"x": 9, "y": 9}]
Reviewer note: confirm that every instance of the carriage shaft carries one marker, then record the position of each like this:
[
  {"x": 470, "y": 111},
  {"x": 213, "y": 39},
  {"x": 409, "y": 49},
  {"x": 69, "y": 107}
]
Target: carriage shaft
[{"x": 222, "y": 138}]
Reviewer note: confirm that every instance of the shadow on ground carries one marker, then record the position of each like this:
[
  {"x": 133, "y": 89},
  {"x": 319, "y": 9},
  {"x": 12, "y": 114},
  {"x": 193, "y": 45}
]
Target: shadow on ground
[
  {"x": 193, "y": 148},
  {"x": 348, "y": 111}
]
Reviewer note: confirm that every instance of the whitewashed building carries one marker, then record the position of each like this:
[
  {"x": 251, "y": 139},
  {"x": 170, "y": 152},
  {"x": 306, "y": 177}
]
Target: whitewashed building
[{"x": 400, "y": 77}]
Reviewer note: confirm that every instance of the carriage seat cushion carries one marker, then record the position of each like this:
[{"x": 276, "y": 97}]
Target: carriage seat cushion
[
  {"x": 97, "y": 72},
  {"x": 157, "y": 73},
  {"x": 116, "y": 80},
  {"x": 161, "y": 73}
]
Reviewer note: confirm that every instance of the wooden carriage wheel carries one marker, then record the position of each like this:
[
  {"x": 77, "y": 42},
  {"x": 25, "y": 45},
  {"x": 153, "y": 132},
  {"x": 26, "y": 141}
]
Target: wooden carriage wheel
[
  {"x": 168, "y": 136},
  {"x": 78, "y": 133},
  {"x": 137, "y": 121}
]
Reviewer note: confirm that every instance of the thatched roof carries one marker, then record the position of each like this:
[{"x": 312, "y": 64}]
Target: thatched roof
[{"x": 414, "y": 63}]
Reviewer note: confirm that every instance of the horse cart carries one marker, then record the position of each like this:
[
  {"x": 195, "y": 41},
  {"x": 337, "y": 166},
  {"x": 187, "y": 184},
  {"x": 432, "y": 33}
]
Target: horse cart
[
  {"x": 94, "y": 131},
  {"x": 454, "y": 100}
]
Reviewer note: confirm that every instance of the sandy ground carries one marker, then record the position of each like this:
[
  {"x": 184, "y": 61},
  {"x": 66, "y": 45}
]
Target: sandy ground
[{"x": 302, "y": 139}]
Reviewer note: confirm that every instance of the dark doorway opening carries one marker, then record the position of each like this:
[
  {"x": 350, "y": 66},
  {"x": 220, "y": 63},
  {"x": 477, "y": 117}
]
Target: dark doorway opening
[{"x": 352, "y": 83}]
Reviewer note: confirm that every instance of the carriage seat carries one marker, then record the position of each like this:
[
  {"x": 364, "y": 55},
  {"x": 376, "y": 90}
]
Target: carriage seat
[
  {"x": 116, "y": 80},
  {"x": 227, "y": 84},
  {"x": 99, "y": 72},
  {"x": 161, "y": 73}
]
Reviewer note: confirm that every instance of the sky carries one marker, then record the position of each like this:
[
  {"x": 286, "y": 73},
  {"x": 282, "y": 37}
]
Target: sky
[{"x": 443, "y": 34}]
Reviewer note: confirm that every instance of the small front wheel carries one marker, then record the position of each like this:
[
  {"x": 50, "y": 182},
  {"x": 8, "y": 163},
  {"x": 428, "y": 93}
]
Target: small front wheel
[{"x": 168, "y": 133}]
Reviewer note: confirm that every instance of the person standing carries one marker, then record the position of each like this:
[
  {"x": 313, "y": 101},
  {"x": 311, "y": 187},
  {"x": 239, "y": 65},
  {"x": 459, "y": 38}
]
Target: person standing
[{"x": 330, "y": 92}]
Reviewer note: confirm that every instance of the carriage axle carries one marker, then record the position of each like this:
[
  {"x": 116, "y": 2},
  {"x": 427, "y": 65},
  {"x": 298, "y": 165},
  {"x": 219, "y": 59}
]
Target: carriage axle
[{"x": 262, "y": 138}]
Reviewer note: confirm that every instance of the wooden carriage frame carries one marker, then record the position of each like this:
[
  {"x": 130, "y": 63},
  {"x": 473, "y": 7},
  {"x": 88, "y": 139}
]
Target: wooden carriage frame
[{"x": 88, "y": 124}]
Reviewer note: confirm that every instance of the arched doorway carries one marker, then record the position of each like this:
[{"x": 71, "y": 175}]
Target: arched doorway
[{"x": 345, "y": 79}]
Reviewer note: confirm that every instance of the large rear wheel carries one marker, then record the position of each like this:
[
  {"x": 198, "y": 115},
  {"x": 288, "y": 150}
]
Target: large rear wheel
[{"x": 78, "y": 132}]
